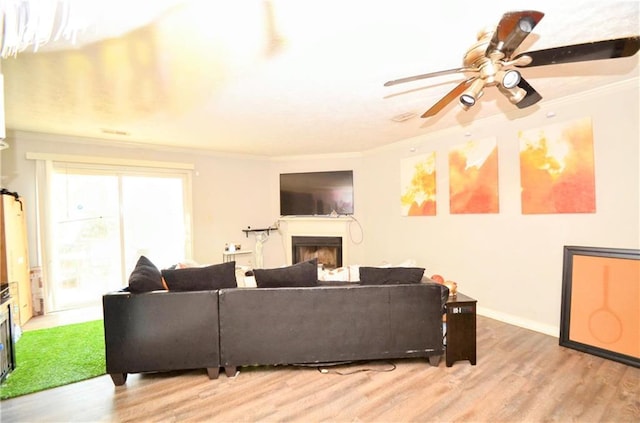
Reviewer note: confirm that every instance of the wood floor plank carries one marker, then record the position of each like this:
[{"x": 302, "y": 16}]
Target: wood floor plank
[{"x": 520, "y": 376}]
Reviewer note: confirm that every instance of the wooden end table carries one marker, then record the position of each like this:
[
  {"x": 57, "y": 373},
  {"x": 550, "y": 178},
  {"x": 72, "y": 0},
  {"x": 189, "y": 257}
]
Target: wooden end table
[{"x": 461, "y": 329}]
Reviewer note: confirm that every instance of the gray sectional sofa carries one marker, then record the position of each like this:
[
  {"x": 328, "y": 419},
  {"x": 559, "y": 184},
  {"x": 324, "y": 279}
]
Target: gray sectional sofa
[{"x": 234, "y": 327}]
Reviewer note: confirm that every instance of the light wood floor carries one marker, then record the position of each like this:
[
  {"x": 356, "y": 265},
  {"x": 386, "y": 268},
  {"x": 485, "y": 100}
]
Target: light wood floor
[
  {"x": 67, "y": 317},
  {"x": 520, "y": 376}
]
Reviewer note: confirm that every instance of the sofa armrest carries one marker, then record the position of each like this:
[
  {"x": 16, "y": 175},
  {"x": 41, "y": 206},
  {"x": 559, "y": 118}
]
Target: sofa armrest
[
  {"x": 160, "y": 331},
  {"x": 444, "y": 294}
]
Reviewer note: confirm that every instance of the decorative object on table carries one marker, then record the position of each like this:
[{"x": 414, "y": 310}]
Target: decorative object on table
[
  {"x": 601, "y": 302},
  {"x": 261, "y": 238},
  {"x": 453, "y": 286},
  {"x": 262, "y": 235},
  {"x": 437, "y": 278}
]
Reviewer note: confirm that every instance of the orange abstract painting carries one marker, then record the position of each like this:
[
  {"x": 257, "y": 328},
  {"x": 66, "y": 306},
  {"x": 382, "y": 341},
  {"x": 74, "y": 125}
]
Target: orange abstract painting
[
  {"x": 473, "y": 177},
  {"x": 418, "y": 180},
  {"x": 557, "y": 169}
]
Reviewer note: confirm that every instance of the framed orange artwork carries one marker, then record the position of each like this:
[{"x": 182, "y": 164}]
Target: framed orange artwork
[
  {"x": 418, "y": 185},
  {"x": 557, "y": 168},
  {"x": 601, "y": 302},
  {"x": 473, "y": 177}
]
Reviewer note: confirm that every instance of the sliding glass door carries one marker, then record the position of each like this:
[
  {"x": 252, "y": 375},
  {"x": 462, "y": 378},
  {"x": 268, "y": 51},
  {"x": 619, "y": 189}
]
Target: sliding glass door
[
  {"x": 102, "y": 220},
  {"x": 85, "y": 236}
]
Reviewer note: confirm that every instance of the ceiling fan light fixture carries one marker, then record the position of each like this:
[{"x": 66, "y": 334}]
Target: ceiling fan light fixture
[
  {"x": 526, "y": 25},
  {"x": 467, "y": 100},
  {"x": 510, "y": 78},
  {"x": 472, "y": 94},
  {"x": 515, "y": 94}
]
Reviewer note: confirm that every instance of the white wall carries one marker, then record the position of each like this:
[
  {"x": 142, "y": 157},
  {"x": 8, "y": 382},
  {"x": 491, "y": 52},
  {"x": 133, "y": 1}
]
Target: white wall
[
  {"x": 512, "y": 263},
  {"x": 228, "y": 193}
]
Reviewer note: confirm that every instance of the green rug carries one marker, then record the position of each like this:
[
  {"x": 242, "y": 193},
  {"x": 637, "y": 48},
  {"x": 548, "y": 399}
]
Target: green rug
[{"x": 48, "y": 358}]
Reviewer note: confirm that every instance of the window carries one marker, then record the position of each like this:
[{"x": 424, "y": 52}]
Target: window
[{"x": 101, "y": 219}]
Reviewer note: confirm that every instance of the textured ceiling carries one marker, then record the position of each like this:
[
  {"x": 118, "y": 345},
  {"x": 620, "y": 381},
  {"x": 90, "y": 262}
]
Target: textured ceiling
[{"x": 287, "y": 77}]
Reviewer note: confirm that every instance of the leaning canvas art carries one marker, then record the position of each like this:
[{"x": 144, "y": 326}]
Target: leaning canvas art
[
  {"x": 557, "y": 168},
  {"x": 601, "y": 302}
]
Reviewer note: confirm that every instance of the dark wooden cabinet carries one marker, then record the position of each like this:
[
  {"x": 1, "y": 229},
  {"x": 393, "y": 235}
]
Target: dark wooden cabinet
[
  {"x": 7, "y": 351},
  {"x": 461, "y": 329}
]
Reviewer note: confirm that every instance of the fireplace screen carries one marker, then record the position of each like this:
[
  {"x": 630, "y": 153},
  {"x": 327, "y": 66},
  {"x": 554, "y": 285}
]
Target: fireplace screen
[{"x": 327, "y": 249}]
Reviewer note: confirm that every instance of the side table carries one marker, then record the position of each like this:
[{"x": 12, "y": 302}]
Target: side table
[
  {"x": 228, "y": 256},
  {"x": 461, "y": 329}
]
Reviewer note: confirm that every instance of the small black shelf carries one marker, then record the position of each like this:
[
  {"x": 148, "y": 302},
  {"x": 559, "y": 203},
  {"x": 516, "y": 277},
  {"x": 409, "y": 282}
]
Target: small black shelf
[{"x": 249, "y": 230}]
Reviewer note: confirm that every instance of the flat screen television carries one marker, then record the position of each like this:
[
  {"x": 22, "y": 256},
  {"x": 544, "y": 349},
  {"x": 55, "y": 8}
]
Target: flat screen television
[{"x": 316, "y": 193}]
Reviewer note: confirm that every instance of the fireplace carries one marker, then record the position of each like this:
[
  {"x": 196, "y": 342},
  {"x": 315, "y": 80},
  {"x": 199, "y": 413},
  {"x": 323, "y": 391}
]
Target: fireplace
[
  {"x": 328, "y": 250},
  {"x": 327, "y": 231}
]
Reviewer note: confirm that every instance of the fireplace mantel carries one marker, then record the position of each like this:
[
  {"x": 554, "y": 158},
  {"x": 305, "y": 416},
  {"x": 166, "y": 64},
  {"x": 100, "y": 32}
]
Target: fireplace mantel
[{"x": 291, "y": 226}]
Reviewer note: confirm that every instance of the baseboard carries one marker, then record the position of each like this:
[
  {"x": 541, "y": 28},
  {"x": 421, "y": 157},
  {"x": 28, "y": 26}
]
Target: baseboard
[{"x": 519, "y": 321}]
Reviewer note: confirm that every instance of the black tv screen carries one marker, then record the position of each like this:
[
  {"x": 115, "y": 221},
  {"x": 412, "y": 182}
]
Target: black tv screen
[{"x": 316, "y": 193}]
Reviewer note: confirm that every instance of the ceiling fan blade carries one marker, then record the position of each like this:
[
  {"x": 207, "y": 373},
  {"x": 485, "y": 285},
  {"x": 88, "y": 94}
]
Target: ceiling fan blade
[
  {"x": 532, "y": 96},
  {"x": 451, "y": 95},
  {"x": 597, "y": 50},
  {"x": 428, "y": 75},
  {"x": 513, "y": 28}
]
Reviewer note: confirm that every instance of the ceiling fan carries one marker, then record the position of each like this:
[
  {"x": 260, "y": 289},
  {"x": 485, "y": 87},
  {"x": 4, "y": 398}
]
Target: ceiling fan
[{"x": 491, "y": 61}]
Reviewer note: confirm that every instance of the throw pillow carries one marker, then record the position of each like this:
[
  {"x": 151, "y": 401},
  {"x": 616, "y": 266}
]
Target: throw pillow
[
  {"x": 215, "y": 276},
  {"x": 337, "y": 274},
  {"x": 390, "y": 275},
  {"x": 298, "y": 275},
  {"x": 145, "y": 277}
]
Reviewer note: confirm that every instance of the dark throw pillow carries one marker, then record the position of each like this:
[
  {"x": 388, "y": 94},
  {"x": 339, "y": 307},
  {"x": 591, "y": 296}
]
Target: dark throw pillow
[
  {"x": 390, "y": 275},
  {"x": 215, "y": 276},
  {"x": 299, "y": 275},
  {"x": 145, "y": 277}
]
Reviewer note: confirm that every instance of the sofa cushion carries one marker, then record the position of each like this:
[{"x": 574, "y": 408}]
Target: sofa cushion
[
  {"x": 390, "y": 275},
  {"x": 298, "y": 275},
  {"x": 338, "y": 274},
  {"x": 215, "y": 276},
  {"x": 145, "y": 277}
]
